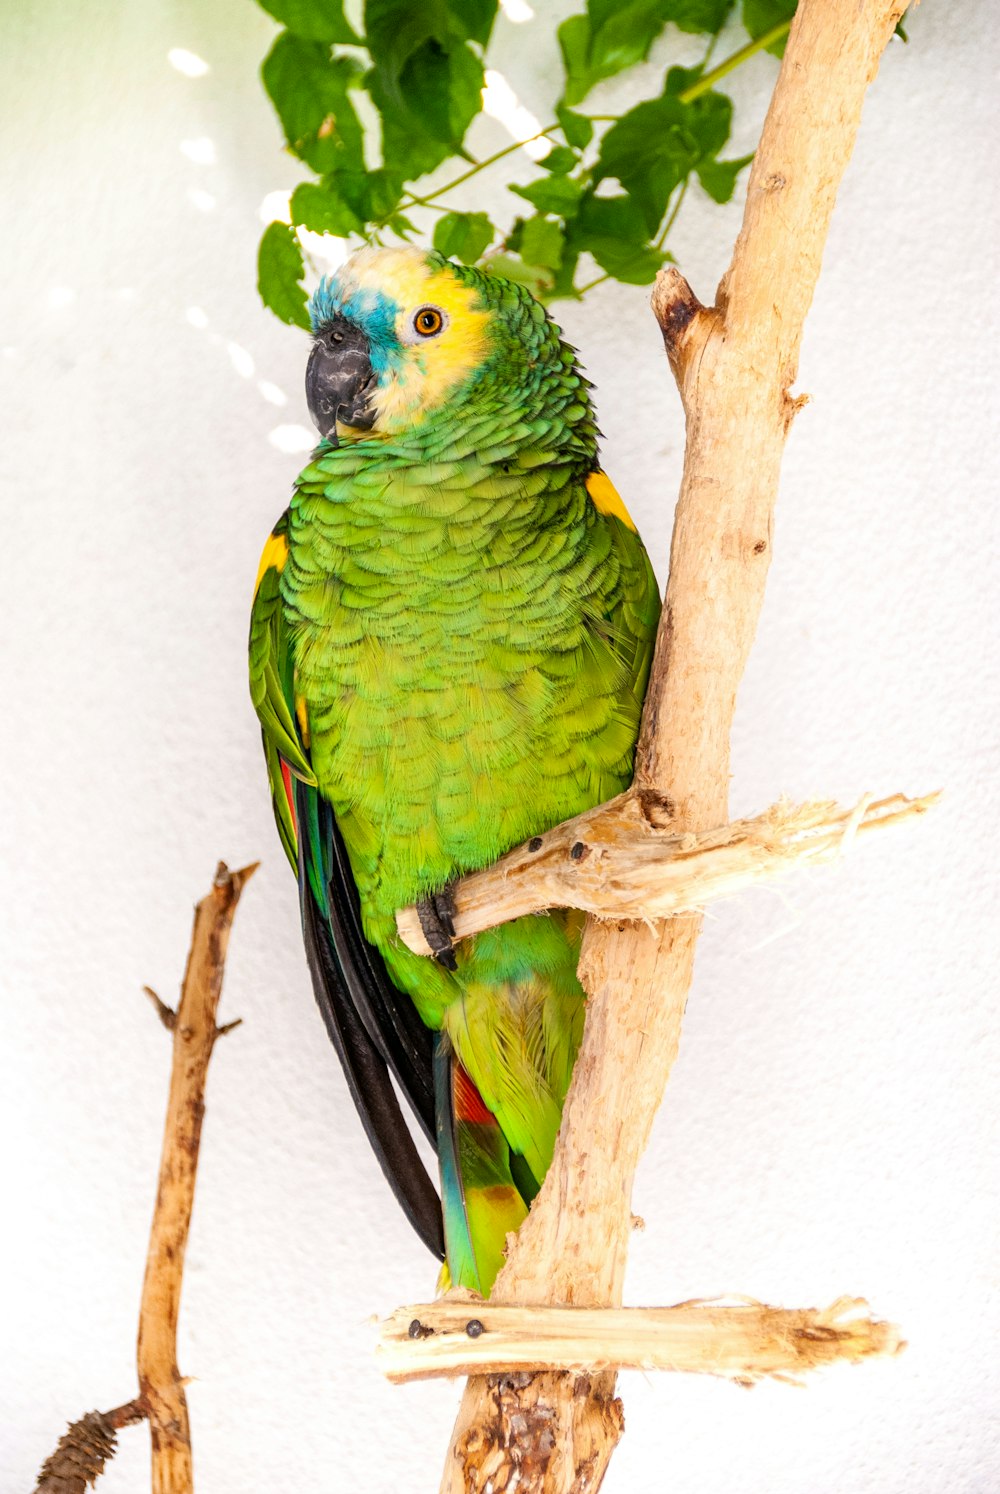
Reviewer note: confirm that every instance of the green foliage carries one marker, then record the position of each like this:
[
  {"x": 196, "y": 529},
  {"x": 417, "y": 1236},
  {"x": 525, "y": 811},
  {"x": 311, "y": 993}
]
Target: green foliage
[
  {"x": 761, "y": 16},
  {"x": 280, "y": 271},
  {"x": 316, "y": 20},
  {"x": 656, "y": 145},
  {"x": 309, "y": 89},
  {"x": 610, "y": 36},
  {"x": 372, "y": 114},
  {"x": 463, "y": 236}
]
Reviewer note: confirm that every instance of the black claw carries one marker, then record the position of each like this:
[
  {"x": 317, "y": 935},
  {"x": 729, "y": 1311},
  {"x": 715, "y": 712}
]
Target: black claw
[
  {"x": 444, "y": 904},
  {"x": 437, "y": 919}
]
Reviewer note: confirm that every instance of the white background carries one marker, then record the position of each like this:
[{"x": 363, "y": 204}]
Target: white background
[{"x": 831, "y": 1123}]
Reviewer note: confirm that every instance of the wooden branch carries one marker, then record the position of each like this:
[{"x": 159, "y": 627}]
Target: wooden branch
[
  {"x": 194, "y": 1032},
  {"x": 734, "y": 364},
  {"x": 623, "y": 860},
  {"x": 87, "y": 1446},
  {"x": 747, "y": 1341}
]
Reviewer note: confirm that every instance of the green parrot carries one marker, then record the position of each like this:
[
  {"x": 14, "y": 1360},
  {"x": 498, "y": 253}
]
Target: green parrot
[{"x": 449, "y": 645}]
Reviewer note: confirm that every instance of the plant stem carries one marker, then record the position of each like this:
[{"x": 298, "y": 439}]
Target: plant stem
[
  {"x": 673, "y": 214},
  {"x": 706, "y": 82},
  {"x": 709, "y": 80},
  {"x": 413, "y": 200}
]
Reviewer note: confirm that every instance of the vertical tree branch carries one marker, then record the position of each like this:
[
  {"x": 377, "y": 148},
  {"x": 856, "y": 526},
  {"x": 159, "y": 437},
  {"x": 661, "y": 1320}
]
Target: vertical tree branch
[
  {"x": 734, "y": 364},
  {"x": 88, "y": 1444},
  {"x": 161, "y": 1387}
]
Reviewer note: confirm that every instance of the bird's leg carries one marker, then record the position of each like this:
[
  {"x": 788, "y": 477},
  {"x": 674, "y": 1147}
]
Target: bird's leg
[{"x": 437, "y": 919}]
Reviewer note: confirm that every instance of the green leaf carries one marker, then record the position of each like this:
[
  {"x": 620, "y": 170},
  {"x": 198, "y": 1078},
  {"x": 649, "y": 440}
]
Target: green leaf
[
  {"x": 623, "y": 34},
  {"x": 474, "y": 18},
  {"x": 559, "y": 160},
  {"x": 279, "y": 272},
  {"x": 613, "y": 230},
  {"x": 443, "y": 90},
  {"x": 398, "y": 28},
  {"x": 719, "y": 177},
  {"x": 705, "y": 17},
  {"x": 576, "y": 127},
  {"x": 554, "y": 194},
  {"x": 309, "y": 90},
  {"x": 426, "y": 81},
  {"x": 346, "y": 201},
  {"x": 542, "y": 243},
  {"x": 613, "y": 36},
  {"x": 574, "y": 43},
  {"x": 563, "y": 282},
  {"x": 654, "y": 146},
  {"x": 317, "y": 20},
  {"x": 382, "y": 190},
  {"x": 324, "y": 209},
  {"x": 407, "y": 149},
  {"x": 463, "y": 236},
  {"x": 760, "y": 15},
  {"x": 401, "y": 224}
]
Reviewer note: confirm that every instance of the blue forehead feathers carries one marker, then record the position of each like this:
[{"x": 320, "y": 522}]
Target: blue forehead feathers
[{"x": 371, "y": 310}]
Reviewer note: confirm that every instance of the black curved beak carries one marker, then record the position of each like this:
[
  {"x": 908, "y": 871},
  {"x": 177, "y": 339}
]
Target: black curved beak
[{"x": 340, "y": 378}]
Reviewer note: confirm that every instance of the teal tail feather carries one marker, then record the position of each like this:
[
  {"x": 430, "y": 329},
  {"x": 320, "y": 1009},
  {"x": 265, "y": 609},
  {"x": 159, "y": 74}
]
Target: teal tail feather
[{"x": 480, "y": 1199}]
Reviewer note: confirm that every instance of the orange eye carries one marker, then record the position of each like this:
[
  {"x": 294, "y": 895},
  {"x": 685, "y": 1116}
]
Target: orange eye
[{"x": 428, "y": 321}]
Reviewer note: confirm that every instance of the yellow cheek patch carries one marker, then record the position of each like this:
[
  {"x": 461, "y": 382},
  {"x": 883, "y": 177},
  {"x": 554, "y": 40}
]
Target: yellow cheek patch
[
  {"x": 432, "y": 366},
  {"x": 604, "y": 496},
  {"x": 274, "y": 557}
]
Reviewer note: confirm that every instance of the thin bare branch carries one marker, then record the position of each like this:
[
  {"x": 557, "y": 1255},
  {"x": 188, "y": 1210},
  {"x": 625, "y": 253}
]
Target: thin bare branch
[{"x": 194, "y": 1032}]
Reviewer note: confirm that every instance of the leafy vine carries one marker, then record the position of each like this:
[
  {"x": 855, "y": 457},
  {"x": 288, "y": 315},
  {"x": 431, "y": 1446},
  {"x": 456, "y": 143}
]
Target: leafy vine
[{"x": 606, "y": 193}]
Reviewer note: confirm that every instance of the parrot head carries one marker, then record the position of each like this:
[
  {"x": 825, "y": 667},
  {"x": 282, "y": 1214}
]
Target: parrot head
[{"x": 402, "y": 334}]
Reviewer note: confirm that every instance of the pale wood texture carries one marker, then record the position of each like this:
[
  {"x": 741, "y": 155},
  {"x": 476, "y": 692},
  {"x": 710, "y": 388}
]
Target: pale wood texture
[
  {"x": 745, "y": 1341},
  {"x": 161, "y": 1387},
  {"x": 734, "y": 364},
  {"x": 624, "y": 860}
]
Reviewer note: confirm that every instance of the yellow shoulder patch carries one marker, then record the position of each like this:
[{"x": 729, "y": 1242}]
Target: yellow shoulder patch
[
  {"x": 302, "y": 717},
  {"x": 274, "y": 557},
  {"x": 604, "y": 496}
]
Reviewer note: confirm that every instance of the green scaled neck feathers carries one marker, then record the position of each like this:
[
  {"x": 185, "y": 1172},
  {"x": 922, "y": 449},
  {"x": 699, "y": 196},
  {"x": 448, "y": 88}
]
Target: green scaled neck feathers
[{"x": 439, "y": 337}]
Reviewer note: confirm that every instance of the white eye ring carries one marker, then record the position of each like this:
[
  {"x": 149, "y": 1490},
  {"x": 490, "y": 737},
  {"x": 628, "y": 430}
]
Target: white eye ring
[{"x": 429, "y": 321}]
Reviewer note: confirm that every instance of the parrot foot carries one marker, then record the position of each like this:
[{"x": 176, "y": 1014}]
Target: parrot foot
[{"x": 437, "y": 919}]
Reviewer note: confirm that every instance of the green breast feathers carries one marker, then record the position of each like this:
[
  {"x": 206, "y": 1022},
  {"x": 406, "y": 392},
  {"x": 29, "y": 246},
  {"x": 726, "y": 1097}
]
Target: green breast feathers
[{"x": 449, "y": 647}]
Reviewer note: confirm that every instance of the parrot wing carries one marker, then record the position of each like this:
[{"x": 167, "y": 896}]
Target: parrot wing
[{"x": 372, "y": 1025}]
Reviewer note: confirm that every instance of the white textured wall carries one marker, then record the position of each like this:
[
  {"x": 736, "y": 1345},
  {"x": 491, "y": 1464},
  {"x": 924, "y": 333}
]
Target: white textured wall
[{"x": 830, "y": 1125}]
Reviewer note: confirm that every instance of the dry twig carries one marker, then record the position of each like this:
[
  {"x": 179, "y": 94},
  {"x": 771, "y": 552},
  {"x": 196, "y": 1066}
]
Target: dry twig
[{"x": 84, "y": 1450}]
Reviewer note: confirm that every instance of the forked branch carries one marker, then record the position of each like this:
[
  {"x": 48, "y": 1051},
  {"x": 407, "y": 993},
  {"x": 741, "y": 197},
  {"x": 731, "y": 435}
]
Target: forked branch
[
  {"x": 88, "y": 1444},
  {"x": 734, "y": 364}
]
